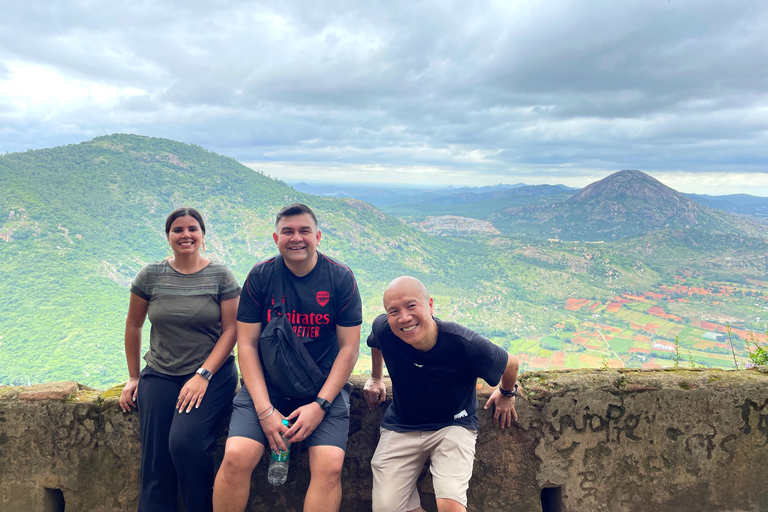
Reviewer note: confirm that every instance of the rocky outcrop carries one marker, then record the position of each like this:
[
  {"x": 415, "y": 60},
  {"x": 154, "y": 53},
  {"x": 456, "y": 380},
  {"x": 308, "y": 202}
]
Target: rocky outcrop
[
  {"x": 589, "y": 440},
  {"x": 455, "y": 225}
]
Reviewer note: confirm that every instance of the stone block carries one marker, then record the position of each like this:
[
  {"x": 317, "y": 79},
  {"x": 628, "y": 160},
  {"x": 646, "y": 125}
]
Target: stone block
[{"x": 586, "y": 440}]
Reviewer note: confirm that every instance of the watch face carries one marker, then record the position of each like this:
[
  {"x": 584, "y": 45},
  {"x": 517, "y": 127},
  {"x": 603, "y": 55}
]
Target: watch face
[{"x": 324, "y": 404}]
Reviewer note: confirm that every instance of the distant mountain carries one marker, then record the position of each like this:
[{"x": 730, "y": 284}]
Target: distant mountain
[
  {"x": 383, "y": 196},
  {"x": 742, "y": 204},
  {"x": 536, "y": 191},
  {"x": 542, "y": 190},
  {"x": 625, "y": 204},
  {"x": 478, "y": 205}
]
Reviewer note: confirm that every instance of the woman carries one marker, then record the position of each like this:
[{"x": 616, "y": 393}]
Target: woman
[{"x": 190, "y": 377}]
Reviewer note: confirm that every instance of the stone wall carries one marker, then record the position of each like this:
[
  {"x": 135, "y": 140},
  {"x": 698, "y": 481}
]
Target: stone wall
[{"x": 677, "y": 440}]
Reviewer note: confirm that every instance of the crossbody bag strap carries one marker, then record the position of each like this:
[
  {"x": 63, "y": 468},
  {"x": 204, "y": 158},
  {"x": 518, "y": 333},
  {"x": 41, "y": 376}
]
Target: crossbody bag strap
[
  {"x": 277, "y": 284},
  {"x": 277, "y": 289}
]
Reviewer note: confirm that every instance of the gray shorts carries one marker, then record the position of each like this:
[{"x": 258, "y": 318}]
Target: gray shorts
[{"x": 332, "y": 431}]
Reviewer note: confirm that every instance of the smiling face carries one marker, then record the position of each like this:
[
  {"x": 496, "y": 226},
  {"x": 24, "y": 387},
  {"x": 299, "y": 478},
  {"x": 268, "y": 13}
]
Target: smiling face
[
  {"x": 409, "y": 312},
  {"x": 185, "y": 236},
  {"x": 297, "y": 237}
]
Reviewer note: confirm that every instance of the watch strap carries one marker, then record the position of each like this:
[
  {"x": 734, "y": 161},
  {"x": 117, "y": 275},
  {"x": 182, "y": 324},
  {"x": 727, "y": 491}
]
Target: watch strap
[
  {"x": 206, "y": 374},
  {"x": 509, "y": 394},
  {"x": 324, "y": 404}
]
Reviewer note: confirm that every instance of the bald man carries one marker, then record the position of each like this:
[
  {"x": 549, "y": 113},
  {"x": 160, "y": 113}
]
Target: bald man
[{"x": 434, "y": 367}]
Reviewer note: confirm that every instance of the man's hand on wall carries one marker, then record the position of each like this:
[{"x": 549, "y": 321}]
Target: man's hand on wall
[
  {"x": 375, "y": 392},
  {"x": 504, "y": 412}
]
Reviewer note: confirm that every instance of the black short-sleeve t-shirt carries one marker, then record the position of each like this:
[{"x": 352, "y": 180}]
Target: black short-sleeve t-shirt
[
  {"x": 437, "y": 388},
  {"x": 315, "y": 303}
]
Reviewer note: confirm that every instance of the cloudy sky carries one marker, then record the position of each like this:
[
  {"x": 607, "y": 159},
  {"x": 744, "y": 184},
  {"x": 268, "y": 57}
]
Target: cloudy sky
[{"x": 462, "y": 93}]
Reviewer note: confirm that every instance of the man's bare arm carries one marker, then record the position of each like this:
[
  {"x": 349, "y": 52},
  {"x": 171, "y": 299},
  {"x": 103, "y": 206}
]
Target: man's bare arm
[
  {"x": 375, "y": 391},
  {"x": 505, "y": 412}
]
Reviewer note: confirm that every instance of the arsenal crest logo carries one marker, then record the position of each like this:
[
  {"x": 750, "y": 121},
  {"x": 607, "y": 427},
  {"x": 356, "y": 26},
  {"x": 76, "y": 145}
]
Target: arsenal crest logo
[{"x": 323, "y": 298}]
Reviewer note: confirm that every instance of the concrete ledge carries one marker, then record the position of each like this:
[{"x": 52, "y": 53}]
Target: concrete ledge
[{"x": 587, "y": 440}]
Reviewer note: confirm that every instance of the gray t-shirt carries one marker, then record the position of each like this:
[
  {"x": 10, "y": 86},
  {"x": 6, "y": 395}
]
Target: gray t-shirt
[{"x": 185, "y": 312}]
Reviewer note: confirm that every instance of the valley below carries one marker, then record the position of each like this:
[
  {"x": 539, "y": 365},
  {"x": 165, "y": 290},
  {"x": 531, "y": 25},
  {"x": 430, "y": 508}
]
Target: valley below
[{"x": 623, "y": 273}]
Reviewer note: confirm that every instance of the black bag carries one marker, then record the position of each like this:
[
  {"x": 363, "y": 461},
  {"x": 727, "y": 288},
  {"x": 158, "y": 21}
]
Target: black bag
[{"x": 289, "y": 370}]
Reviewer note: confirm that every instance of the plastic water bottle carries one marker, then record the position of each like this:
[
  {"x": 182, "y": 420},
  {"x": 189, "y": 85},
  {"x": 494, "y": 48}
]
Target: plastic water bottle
[{"x": 278, "y": 463}]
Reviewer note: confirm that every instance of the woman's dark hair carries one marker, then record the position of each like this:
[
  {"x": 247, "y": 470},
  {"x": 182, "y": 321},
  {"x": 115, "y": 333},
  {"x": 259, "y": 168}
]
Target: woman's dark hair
[
  {"x": 295, "y": 209},
  {"x": 183, "y": 212}
]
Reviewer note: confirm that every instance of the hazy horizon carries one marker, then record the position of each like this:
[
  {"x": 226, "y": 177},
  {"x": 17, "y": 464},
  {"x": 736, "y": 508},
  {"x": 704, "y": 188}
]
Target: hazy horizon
[
  {"x": 448, "y": 92},
  {"x": 433, "y": 186}
]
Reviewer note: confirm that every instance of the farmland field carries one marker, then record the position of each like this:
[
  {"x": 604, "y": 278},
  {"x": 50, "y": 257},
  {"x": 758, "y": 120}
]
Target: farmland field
[{"x": 671, "y": 325}]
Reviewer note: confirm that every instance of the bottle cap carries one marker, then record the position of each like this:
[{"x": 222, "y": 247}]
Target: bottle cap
[{"x": 285, "y": 422}]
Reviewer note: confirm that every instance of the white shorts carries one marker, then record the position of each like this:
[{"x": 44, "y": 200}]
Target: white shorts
[{"x": 400, "y": 456}]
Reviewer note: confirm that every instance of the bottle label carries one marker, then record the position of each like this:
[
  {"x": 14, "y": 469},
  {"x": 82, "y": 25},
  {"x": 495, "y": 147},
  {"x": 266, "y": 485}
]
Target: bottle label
[{"x": 280, "y": 456}]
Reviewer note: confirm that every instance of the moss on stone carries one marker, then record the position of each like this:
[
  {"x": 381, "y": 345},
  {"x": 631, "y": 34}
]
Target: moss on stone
[
  {"x": 113, "y": 392},
  {"x": 84, "y": 395}
]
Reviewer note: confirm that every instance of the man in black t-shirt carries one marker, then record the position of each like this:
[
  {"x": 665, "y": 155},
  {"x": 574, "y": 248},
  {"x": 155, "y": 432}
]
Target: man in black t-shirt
[
  {"x": 434, "y": 367},
  {"x": 323, "y": 304}
]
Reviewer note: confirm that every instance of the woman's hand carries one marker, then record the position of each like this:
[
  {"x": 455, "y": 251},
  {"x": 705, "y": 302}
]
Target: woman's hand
[
  {"x": 192, "y": 393},
  {"x": 128, "y": 396}
]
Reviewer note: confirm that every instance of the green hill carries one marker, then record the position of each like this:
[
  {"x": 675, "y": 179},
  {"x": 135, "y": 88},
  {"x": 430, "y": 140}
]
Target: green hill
[{"x": 79, "y": 221}]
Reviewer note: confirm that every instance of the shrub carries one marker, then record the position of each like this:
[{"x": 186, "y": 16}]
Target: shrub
[{"x": 758, "y": 355}]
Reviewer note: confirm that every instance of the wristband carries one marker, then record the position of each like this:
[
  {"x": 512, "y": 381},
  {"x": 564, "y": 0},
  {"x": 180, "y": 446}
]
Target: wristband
[{"x": 272, "y": 409}]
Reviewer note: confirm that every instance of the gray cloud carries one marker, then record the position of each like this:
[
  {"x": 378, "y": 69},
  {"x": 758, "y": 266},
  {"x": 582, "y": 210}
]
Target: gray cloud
[{"x": 506, "y": 88}]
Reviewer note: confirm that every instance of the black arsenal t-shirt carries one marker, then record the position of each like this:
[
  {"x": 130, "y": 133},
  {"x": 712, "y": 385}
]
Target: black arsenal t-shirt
[
  {"x": 437, "y": 388},
  {"x": 315, "y": 303}
]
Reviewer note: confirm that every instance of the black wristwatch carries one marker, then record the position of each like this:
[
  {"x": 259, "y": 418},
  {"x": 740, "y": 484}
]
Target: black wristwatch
[
  {"x": 508, "y": 394},
  {"x": 324, "y": 404}
]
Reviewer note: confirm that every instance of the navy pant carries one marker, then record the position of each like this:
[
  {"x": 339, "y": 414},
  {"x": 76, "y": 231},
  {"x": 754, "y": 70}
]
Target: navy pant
[{"x": 177, "y": 449}]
